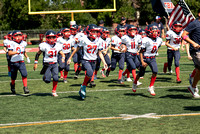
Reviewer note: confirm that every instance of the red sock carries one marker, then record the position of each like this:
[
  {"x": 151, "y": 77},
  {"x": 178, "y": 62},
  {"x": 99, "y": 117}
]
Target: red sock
[
  {"x": 75, "y": 66},
  {"x": 8, "y": 68},
  {"x": 65, "y": 74},
  {"x": 134, "y": 74},
  {"x": 12, "y": 82},
  {"x": 55, "y": 83},
  {"x": 109, "y": 69},
  {"x": 86, "y": 79},
  {"x": 177, "y": 69},
  {"x": 85, "y": 72},
  {"x": 79, "y": 68},
  {"x": 24, "y": 80},
  {"x": 125, "y": 72},
  {"x": 165, "y": 67},
  {"x": 153, "y": 79},
  {"x": 135, "y": 81},
  {"x": 193, "y": 73},
  {"x": 95, "y": 72},
  {"x": 120, "y": 74},
  {"x": 92, "y": 79},
  {"x": 103, "y": 69},
  {"x": 61, "y": 73},
  {"x": 128, "y": 74}
]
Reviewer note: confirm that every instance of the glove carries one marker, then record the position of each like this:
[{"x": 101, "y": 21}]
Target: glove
[{"x": 28, "y": 60}]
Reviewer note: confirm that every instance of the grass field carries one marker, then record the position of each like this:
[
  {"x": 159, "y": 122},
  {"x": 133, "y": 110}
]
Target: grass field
[{"x": 40, "y": 113}]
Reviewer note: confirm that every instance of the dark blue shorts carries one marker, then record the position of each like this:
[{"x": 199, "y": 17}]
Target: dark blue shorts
[
  {"x": 117, "y": 57},
  {"x": 64, "y": 65},
  {"x": 151, "y": 61},
  {"x": 51, "y": 71},
  {"x": 173, "y": 54},
  {"x": 89, "y": 66},
  {"x": 132, "y": 61},
  {"x": 15, "y": 66}
]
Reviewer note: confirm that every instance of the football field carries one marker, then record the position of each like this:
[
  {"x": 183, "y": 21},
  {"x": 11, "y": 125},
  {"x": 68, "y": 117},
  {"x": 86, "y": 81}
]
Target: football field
[{"x": 109, "y": 108}]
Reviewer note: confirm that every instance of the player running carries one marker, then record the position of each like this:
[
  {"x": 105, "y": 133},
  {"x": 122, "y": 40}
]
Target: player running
[
  {"x": 148, "y": 52},
  {"x": 91, "y": 47},
  {"x": 173, "y": 43},
  {"x": 133, "y": 42},
  {"x": 118, "y": 52},
  {"x": 67, "y": 43},
  {"x": 17, "y": 52},
  {"x": 51, "y": 50}
]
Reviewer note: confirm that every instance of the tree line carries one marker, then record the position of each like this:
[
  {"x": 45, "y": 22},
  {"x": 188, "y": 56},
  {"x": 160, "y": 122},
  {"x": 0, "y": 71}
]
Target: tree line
[{"x": 14, "y": 13}]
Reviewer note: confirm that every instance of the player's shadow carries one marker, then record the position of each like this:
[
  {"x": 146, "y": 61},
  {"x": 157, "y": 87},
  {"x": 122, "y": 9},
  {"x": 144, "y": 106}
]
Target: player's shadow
[
  {"x": 192, "y": 108},
  {"x": 76, "y": 97},
  {"x": 178, "y": 90},
  {"x": 119, "y": 85},
  {"x": 109, "y": 81},
  {"x": 42, "y": 94},
  {"x": 163, "y": 79},
  {"x": 137, "y": 94},
  {"x": 178, "y": 96},
  {"x": 10, "y": 94},
  {"x": 75, "y": 85},
  {"x": 4, "y": 75}
]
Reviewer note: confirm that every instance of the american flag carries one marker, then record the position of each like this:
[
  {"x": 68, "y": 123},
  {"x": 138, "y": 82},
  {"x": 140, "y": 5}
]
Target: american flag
[{"x": 181, "y": 13}]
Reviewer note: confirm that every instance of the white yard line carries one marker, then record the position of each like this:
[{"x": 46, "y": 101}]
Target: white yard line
[{"x": 122, "y": 116}]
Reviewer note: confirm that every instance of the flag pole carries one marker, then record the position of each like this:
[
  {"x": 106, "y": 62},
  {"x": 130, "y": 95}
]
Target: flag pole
[{"x": 188, "y": 9}]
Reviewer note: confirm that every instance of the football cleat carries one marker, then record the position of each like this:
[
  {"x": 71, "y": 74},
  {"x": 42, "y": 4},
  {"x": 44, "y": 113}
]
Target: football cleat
[
  {"x": 120, "y": 81},
  {"x": 65, "y": 80},
  {"x": 107, "y": 73},
  {"x": 92, "y": 84},
  {"x": 170, "y": 72},
  {"x": 82, "y": 92},
  {"x": 134, "y": 87},
  {"x": 61, "y": 77},
  {"x": 178, "y": 81},
  {"x": 194, "y": 91},
  {"x": 12, "y": 88},
  {"x": 151, "y": 90},
  {"x": 139, "y": 83},
  {"x": 128, "y": 79},
  {"x": 102, "y": 73},
  {"x": 26, "y": 91},
  {"x": 76, "y": 74},
  {"x": 54, "y": 94}
]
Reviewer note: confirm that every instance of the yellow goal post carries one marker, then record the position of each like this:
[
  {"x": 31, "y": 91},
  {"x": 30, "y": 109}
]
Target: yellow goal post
[{"x": 70, "y": 11}]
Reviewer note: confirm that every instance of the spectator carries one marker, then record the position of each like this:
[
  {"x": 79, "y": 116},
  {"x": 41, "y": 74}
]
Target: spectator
[
  {"x": 123, "y": 22},
  {"x": 160, "y": 26},
  {"x": 101, "y": 23}
]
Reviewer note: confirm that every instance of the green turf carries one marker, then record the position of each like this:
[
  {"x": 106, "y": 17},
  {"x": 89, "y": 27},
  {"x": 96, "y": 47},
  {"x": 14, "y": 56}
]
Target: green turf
[{"x": 102, "y": 101}]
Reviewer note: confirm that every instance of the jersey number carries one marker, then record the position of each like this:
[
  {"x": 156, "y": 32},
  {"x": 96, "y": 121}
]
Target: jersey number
[
  {"x": 91, "y": 47},
  {"x": 154, "y": 49},
  {"x": 18, "y": 49},
  {"x": 66, "y": 46},
  {"x": 132, "y": 45},
  {"x": 177, "y": 41},
  {"x": 52, "y": 54}
]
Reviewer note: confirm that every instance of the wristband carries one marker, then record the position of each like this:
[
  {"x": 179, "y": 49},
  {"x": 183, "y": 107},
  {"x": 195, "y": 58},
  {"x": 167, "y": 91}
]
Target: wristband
[
  {"x": 36, "y": 62},
  {"x": 184, "y": 37}
]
